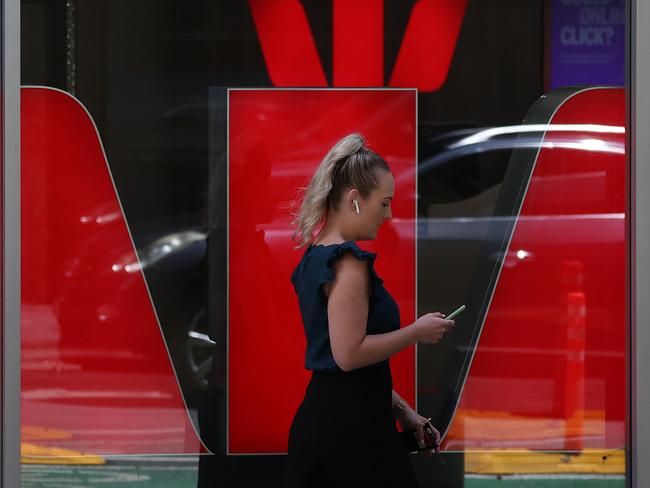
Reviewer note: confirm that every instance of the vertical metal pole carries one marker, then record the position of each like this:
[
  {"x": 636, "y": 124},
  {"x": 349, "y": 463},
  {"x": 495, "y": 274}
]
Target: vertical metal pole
[
  {"x": 71, "y": 46},
  {"x": 10, "y": 455},
  {"x": 639, "y": 125}
]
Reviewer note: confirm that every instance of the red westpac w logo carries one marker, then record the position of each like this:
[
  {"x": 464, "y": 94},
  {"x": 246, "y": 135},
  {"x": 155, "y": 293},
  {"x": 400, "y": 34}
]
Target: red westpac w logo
[{"x": 358, "y": 48}]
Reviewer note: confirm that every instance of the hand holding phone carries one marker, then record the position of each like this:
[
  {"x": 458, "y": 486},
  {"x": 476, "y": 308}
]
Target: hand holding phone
[
  {"x": 409, "y": 439},
  {"x": 431, "y": 440},
  {"x": 432, "y": 326}
]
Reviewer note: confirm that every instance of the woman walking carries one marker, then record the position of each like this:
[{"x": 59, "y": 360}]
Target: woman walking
[{"x": 343, "y": 433}]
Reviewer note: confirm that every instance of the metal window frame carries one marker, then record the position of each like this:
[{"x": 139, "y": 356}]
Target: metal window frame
[
  {"x": 638, "y": 121},
  {"x": 10, "y": 133}
]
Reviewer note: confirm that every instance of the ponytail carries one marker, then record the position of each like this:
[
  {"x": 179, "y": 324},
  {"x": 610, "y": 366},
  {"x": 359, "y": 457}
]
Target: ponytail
[{"x": 348, "y": 164}]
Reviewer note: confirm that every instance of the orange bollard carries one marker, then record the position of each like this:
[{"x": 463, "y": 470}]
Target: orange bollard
[{"x": 575, "y": 371}]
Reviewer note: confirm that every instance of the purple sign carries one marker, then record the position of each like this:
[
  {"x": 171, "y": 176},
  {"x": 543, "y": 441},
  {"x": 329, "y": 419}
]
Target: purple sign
[{"x": 587, "y": 43}]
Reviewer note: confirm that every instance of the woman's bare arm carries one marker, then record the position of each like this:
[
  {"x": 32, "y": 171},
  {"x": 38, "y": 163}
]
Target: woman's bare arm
[
  {"x": 347, "y": 309},
  {"x": 396, "y": 399}
]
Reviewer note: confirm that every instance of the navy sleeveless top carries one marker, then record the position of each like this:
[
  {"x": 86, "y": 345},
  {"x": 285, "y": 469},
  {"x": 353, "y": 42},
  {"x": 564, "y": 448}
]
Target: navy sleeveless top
[{"x": 315, "y": 268}]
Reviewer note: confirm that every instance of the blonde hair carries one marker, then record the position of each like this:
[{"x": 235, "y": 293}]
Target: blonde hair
[{"x": 348, "y": 164}]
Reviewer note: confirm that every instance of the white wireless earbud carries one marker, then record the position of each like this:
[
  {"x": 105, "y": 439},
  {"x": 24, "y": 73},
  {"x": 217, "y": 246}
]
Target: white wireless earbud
[{"x": 356, "y": 205}]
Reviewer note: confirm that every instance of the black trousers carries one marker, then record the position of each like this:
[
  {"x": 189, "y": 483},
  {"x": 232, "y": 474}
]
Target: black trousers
[{"x": 344, "y": 434}]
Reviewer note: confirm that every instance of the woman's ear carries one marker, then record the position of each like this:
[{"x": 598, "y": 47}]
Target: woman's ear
[{"x": 353, "y": 195}]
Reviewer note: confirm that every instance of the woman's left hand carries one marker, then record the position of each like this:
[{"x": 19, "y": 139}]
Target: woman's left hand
[{"x": 410, "y": 419}]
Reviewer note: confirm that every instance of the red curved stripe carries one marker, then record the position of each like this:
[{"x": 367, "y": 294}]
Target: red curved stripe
[
  {"x": 549, "y": 371},
  {"x": 94, "y": 363}
]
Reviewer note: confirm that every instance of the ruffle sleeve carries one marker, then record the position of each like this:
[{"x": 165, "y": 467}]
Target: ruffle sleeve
[{"x": 350, "y": 246}]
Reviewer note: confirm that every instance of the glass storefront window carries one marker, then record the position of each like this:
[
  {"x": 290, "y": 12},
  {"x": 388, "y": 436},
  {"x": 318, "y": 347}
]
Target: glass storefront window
[{"x": 163, "y": 143}]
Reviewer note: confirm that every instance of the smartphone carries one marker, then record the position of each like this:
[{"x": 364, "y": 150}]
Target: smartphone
[
  {"x": 455, "y": 312},
  {"x": 409, "y": 438}
]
